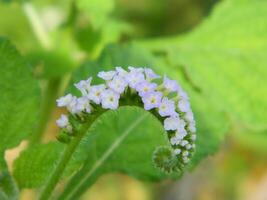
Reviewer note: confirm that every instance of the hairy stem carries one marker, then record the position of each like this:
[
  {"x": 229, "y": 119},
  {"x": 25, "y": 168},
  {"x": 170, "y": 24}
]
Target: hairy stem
[
  {"x": 8, "y": 187},
  {"x": 47, "y": 106},
  {"x": 66, "y": 156},
  {"x": 37, "y": 25},
  {"x": 86, "y": 177}
]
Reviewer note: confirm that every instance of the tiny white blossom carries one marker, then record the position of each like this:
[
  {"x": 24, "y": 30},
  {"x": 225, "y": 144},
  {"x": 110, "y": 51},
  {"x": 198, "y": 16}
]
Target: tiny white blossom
[
  {"x": 175, "y": 141},
  {"x": 82, "y": 104},
  {"x": 171, "y": 123},
  {"x": 63, "y": 121},
  {"x": 152, "y": 100},
  {"x": 72, "y": 107},
  {"x": 182, "y": 94},
  {"x": 180, "y": 134},
  {"x": 134, "y": 78},
  {"x": 184, "y": 142},
  {"x": 192, "y": 126},
  {"x": 189, "y": 116},
  {"x": 167, "y": 107},
  {"x": 177, "y": 151},
  {"x": 185, "y": 153},
  {"x": 136, "y": 69},
  {"x": 145, "y": 87},
  {"x": 184, "y": 105},
  {"x": 95, "y": 93},
  {"x": 65, "y": 100},
  {"x": 121, "y": 72},
  {"x": 84, "y": 86},
  {"x": 188, "y": 146},
  {"x": 185, "y": 159},
  {"x": 110, "y": 99},
  {"x": 118, "y": 84},
  {"x": 170, "y": 85},
  {"x": 106, "y": 75},
  {"x": 150, "y": 74}
]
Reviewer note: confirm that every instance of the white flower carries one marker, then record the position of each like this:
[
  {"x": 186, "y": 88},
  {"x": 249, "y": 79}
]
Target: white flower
[
  {"x": 63, "y": 121},
  {"x": 188, "y": 146},
  {"x": 106, "y": 75},
  {"x": 110, "y": 99},
  {"x": 152, "y": 100},
  {"x": 171, "y": 123},
  {"x": 185, "y": 153},
  {"x": 82, "y": 104},
  {"x": 84, "y": 86},
  {"x": 145, "y": 87},
  {"x": 95, "y": 93},
  {"x": 189, "y": 116},
  {"x": 118, "y": 84},
  {"x": 167, "y": 107},
  {"x": 150, "y": 74},
  {"x": 135, "y": 77},
  {"x": 185, "y": 159},
  {"x": 175, "y": 141},
  {"x": 184, "y": 142},
  {"x": 177, "y": 151},
  {"x": 72, "y": 107},
  {"x": 136, "y": 69},
  {"x": 192, "y": 126},
  {"x": 180, "y": 134},
  {"x": 65, "y": 100},
  {"x": 184, "y": 105},
  {"x": 182, "y": 94},
  {"x": 121, "y": 72},
  {"x": 181, "y": 126},
  {"x": 170, "y": 85}
]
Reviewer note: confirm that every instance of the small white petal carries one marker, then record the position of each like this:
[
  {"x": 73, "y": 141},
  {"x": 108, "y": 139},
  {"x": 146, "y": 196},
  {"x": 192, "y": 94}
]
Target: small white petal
[
  {"x": 184, "y": 142},
  {"x": 65, "y": 100},
  {"x": 110, "y": 99},
  {"x": 63, "y": 121},
  {"x": 106, "y": 75},
  {"x": 177, "y": 151},
  {"x": 171, "y": 123}
]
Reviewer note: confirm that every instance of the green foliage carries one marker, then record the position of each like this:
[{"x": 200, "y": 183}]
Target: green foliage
[
  {"x": 127, "y": 146},
  {"x": 35, "y": 164},
  {"x": 226, "y": 58},
  {"x": 19, "y": 97},
  {"x": 8, "y": 188}
]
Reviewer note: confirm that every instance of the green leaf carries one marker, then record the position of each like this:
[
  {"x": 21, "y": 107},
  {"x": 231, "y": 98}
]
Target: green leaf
[
  {"x": 8, "y": 188},
  {"x": 35, "y": 164},
  {"x": 120, "y": 141},
  {"x": 226, "y": 58},
  {"x": 19, "y": 97},
  {"x": 120, "y": 135}
]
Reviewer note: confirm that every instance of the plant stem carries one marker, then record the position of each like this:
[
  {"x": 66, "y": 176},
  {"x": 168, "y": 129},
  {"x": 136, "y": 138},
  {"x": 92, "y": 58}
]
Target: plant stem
[
  {"x": 37, "y": 25},
  {"x": 69, "y": 150},
  {"x": 47, "y": 106},
  {"x": 8, "y": 187}
]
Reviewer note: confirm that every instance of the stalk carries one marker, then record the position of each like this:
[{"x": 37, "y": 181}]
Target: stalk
[
  {"x": 59, "y": 169},
  {"x": 37, "y": 25}
]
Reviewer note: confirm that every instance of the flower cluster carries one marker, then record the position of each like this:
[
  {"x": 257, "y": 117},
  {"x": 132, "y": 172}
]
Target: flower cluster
[{"x": 160, "y": 94}]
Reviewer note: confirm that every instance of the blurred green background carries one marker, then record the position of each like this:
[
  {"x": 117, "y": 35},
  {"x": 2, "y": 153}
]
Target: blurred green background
[{"x": 74, "y": 32}]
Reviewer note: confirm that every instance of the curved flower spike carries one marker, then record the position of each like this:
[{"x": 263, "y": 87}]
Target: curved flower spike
[{"x": 135, "y": 86}]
